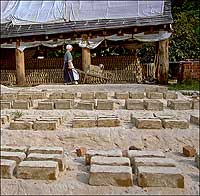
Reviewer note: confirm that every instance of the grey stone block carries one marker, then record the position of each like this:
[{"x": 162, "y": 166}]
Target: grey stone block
[{"x": 133, "y": 104}]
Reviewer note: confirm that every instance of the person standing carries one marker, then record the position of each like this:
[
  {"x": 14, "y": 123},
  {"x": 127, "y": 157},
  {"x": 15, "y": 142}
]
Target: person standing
[{"x": 69, "y": 77}]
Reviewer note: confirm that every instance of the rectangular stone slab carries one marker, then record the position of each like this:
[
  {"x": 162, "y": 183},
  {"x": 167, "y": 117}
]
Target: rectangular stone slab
[
  {"x": 21, "y": 125},
  {"x": 136, "y": 95},
  {"x": 69, "y": 95},
  {"x": 60, "y": 119},
  {"x": 101, "y": 95},
  {"x": 48, "y": 157},
  {"x": 121, "y": 95},
  {"x": 46, "y": 105},
  {"x": 154, "y": 95},
  {"x": 179, "y": 104},
  {"x": 63, "y": 104},
  {"x": 175, "y": 123},
  {"x": 20, "y": 104},
  {"x": 87, "y": 95},
  {"x": 16, "y": 156},
  {"x": 45, "y": 125},
  {"x": 49, "y": 120},
  {"x": 152, "y": 123},
  {"x": 153, "y": 105},
  {"x": 38, "y": 170},
  {"x": 46, "y": 150},
  {"x": 8, "y": 96},
  {"x": 85, "y": 105},
  {"x": 7, "y": 168},
  {"x": 6, "y": 105},
  {"x": 108, "y": 121},
  {"x": 84, "y": 122},
  {"x": 160, "y": 177},
  {"x": 195, "y": 119},
  {"x": 133, "y": 104},
  {"x": 114, "y": 161},
  {"x": 105, "y": 105},
  {"x": 104, "y": 175},
  {"x": 107, "y": 153},
  {"x": 14, "y": 148},
  {"x": 170, "y": 95},
  {"x": 56, "y": 95}
]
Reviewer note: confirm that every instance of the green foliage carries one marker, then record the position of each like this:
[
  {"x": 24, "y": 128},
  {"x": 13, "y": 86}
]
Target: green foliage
[{"x": 17, "y": 114}]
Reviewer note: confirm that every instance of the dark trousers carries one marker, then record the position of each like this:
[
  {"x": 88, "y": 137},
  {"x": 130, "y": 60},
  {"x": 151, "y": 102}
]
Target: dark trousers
[{"x": 68, "y": 75}]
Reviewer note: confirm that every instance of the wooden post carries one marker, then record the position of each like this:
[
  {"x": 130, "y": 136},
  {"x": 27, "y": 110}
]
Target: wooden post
[
  {"x": 20, "y": 68},
  {"x": 162, "y": 61}
]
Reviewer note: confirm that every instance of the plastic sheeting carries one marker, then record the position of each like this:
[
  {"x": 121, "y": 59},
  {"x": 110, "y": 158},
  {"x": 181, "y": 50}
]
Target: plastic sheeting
[{"x": 21, "y": 12}]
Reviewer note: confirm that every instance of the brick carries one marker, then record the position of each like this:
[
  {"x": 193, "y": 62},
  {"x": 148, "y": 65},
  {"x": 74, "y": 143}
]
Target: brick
[
  {"x": 150, "y": 89},
  {"x": 101, "y": 95},
  {"x": 7, "y": 168},
  {"x": 45, "y": 105},
  {"x": 9, "y": 96},
  {"x": 197, "y": 159},
  {"x": 161, "y": 89},
  {"x": 195, "y": 104},
  {"x": 114, "y": 161},
  {"x": 87, "y": 95},
  {"x": 16, "y": 156},
  {"x": 134, "y": 104},
  {"x": 21, "y": 125},
  {"x": 108, "y": 121},
  {"x": 195, "y": 119},
  {"x": 6, "y": 105},
  {"x": 39, "y": 95},
  {"x": 81, "y": 151},
  {"x": 106, "y": 153},
  {"x": 105, "y": 105},
  {"x": 160, "y": 177},
  {"x": 56, "y": 95},
  {"x": 58, "y": 120},
  {"x": 63, "y": 104},
  {"x": 136, "y": 95},
  {"x": 153, "y": 105},
  {"x": 45, "y": 125},
  {"x": 121, "y": 95},
  {"x": 143, "y": 123},
  {"x": 189, "y": 151},
  {"x": 80, "y": 122},
  {"x": 104, "y": 175},
  {"x": 23, "y": 96},
  {"x": 179, "y": 104},
  {"x": 170, "y": 95},
  {"x": 14, "y": 148},
  {"x": 85, "y": 105},
  {"x": 20, "y": 104},
  {"x": 69, "y": 95},
  {"x": 154, "y": 95},
  {"x": 145, "y": 116},
  {"x": 59, "y": 158},
  {"x": 46, "y": 150},
  {"x": 175, "y": 123},
  {"x": 38, "y": 170}
]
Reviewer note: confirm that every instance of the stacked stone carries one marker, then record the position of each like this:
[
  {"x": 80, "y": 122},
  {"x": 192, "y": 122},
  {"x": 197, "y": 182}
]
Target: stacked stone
[
  {"x": 179, "y": 104},
  {"x": 152, "y": 169},
  {"x": 109, "y": 168}
]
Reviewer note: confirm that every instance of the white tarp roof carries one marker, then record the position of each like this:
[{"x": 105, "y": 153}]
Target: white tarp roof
[{"x": 21, "y": 12}]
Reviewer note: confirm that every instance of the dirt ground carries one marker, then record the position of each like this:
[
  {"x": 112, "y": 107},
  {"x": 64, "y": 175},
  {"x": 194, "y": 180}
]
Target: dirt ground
[{"x": 75, "y": 179}]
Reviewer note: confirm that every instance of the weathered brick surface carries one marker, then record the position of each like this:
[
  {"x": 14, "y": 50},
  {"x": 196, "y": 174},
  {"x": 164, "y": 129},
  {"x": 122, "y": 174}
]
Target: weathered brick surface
[
  {"x": 136, "y": 95},
  {"x": 5, "y": 118},
  {"x": 179, "y": 104},
  {"x": 154, "y": 95},
  {"x": 58, "y": 120},
  {"x": 20, "y": 104},
  {"x": 87, "y": 95},
  {"x": 160, "y": 177},
  {"x": 23, "y": 96},
  {"x": 38, "y": 170},
  {"x": 189, "y": 151},
  {"x": 114, "y": 161},
  {"x": 150, "y": 89},
  {"x": 16, "y": 156},
  {"x": 153, "y": 105},
  {"x": 175, "y": 123},
  {"x": 145, "y": 116},
  {"x": 46, "y": 150},
  {"x": 45, "y": 105},
  {"x": 6, "y": 105},
  {"x": 45, "y": 125},
  {"x": 82, "y": 105},
  {"x": 7, "y": 168},
  {"x": 170, "y": 95},
  {"x": 14, "y": 148},
  {"x": 21, "y": 125},
  {"x": 197, "y": 159},
  {"x": 106, "y": 153},
  {"x": 161, "y": 89},
  {"x": 101, "y": 95},
  {"x": 195, "y": 119},
  {"x": 121, "y": 95},
  {"x": 133, "y": 104},
  {"x": 8, "y": 96},
  {"x": 63, "y": 104},
  {"x": 153, "y": 123},
  {"x": 108, "y": 121},
  {"x": 56, "y": 95},
  {"x": 104, "y": 175},
  {"x": 39, "y": 95},
  {"x": 105, "y": 105},
  {"x": 195, "y": 104},
  {"x": 69, "y": 95},
  {"x": 80, "y": 122},
  {"x": 48, "y": 157}
]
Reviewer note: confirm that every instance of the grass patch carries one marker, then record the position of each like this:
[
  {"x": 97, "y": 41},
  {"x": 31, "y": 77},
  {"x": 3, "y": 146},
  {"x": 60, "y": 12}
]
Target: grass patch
[{"x": 186, "y": 85}]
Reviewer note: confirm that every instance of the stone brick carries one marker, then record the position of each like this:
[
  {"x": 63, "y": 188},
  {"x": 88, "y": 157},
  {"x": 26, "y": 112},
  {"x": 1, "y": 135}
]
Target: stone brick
[
  {"x": 63, "y": 104},
  {"x": 197, "y": 159},
  {"x": 132, "y": 104},
  {"x": 136, "y": 95},
  {"x": 153, "y": 105},
  {"x": 104, "y": 175},
  {"x": 179, "y": 104},
  {"x": 189, "y": 151},
  {"x": 23, "y": 96},
  {"x": 87, "y": 95},
  {"x": 46, "y": 105},
  {"x": 38, "y": 170},
  {"x": 14, "y": 148},
  {"x": 161, "y": 89},
  {"x": 175, "y": 123},
  {"x": 170, "y": 95},
  {"x": 39, "y": 95},
  {"x": 48, "y": 157},
  {"x": 21, "y": 125},
  {"x": 150, "y": 89},
  {"x": 195, "y": 104},
  {"x": 16, "y": 156},
  {"x": 6, "y": 105},
  {"x": 81, "y": 151},
  {"x": 7, "y": 168},
  {"x": 9, "y": 96},
  {"x": 121, "y": 95},
  {"x": 45, "y": 125},
  {"x": 154, "y": 95},
  {"x": 160, "y": 177},
  {"x": 105, "y": 105},
  {"x": 195, "y": 119},
  {"x": 46, "y": 150},
  {"x": 5, "y": 119},
  {"x": 143, "y": 123},
  {"x": 69, "y": 95},
  {"x": 108, "y": 121},
  {"x": 59, "y": 120},
  {"x": 145, "y": 116},
  {"x": 56, "y": 95},
  {"x": 101, "y": 95},
  {"x": 114, "y": 161},
  {"x": 82, "y": 105},
  {"x": 79, "y": 122},
  {"x": 106, "y": 153},
  {"x": 20, "y": 104}
]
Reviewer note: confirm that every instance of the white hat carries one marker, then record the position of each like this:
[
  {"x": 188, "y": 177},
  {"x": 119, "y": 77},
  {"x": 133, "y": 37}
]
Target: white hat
[{"x": 69, "y": 47}]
